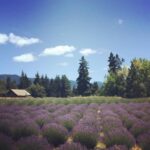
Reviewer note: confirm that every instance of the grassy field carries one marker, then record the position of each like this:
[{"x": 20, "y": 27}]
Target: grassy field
[{"x": 70, "y": 100}]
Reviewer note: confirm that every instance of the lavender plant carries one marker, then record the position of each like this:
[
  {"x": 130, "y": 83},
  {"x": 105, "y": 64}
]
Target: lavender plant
[
  {"x": 119, "y": 136},
  {"x": 72, "y": 146},
  {"x": 117, "y": 147},
  {"x": 55, "y": 134},
  {"x": 85, "y": 135},
  {"x": 33, "y": 143},
  {"x": 6, "y": 142},
  {"x": 24, "y": 129},
  {"x": 144, "y": 140}
]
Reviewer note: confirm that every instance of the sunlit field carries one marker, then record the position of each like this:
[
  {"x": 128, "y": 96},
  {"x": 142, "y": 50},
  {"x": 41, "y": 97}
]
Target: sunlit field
[{"x": 79, "y": 123}]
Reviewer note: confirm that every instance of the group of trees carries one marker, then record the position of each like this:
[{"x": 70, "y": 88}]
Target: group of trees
[
  {"x": 61, "y": 86},
  {"x": 43, "y": 86},
  {"x": 133, "y": 81},
  {"x": 127, "y": 82}
]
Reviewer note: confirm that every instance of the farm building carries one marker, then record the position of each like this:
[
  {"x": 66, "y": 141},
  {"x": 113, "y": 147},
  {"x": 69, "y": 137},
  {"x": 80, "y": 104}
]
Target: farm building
[{"x": 18, "y": 93}]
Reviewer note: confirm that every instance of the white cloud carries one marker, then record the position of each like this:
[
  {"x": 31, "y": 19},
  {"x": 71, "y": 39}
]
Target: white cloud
[
  {"x": 87, "y": 51},
  {"x": 63, "y": 64},
  {"x": 69, "y": 55},
  {"x": 3, "y": 38},
  {"x": 22, "y": 41},
  {"x": 120, "y": 21},
  {"x": 29, "y": 57},
  {"x": 58, "y": 50}
]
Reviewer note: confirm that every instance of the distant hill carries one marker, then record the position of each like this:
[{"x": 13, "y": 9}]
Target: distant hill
[{"x": 12, "y": 77}]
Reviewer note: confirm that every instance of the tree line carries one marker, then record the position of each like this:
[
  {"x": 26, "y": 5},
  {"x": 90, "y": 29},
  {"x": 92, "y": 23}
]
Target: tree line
[{"x": 133, "y": 81}]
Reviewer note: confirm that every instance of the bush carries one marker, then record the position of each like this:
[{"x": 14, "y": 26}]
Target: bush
[
  {"x": 119, "y": 136},
  {"x": 138, "y": 128},
  {"x": 33, "y": 143},
  {"x": 24, "y": 129},
  {"x": 68, "y": 124},
  {"x": 6, "y": 127},
  {"x": 72, "y": 146},
  {"x": 41, "y": 120},
  {"x": 55, "y": 134},
  {"x": 118, "y": 147},
  {"x": 86, "y": 136},
  {"x": 67, "y": 121},
  {"x": 144, "y": 141},
  {"x": 37, "y": 90},
  {"x": 5, "y": 142}
]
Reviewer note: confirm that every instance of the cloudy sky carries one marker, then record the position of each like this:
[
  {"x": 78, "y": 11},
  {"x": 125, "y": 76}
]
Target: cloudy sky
[{"x": 50, "y": 36}]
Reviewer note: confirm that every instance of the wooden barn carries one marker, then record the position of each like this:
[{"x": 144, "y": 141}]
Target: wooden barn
[{"x": 18, "y": 93}]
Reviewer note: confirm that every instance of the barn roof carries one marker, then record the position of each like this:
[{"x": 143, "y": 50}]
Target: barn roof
[{"x": 20, "y": 92}]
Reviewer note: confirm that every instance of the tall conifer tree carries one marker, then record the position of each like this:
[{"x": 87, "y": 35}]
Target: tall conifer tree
[{"x": 83, "y": 80}]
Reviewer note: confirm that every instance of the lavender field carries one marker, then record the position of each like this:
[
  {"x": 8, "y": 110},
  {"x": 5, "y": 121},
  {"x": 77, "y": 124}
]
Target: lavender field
[{"x": 122, "y": 126}]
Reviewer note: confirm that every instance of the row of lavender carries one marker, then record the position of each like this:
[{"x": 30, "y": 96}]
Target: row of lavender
[{"x": 75, "y": 127}]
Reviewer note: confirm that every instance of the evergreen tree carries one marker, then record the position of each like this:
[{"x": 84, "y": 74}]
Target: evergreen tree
[
  {"x": 65, "y": 86},
  {"x": 3, "y": 89},
  {"x": 24, "y": 81},
  {"x": 116, "y": 80},
  {"x": 74, "y": 91},
  {"x": 57, "y": 86},
  {"x": 46, "y": 84},
  {"x": 37, "y": 79},
  {"x": 10, "y": 84},
  {"x": 94, "y": 88},
  {"x": 83, "y": 80},
  {"x": 114, "y": 63},
  {"x": 51, "y": 88}
]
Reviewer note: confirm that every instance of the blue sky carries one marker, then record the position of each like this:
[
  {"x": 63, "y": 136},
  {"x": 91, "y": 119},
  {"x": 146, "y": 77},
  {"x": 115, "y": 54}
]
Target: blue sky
[{"x": 50, "y": 36}]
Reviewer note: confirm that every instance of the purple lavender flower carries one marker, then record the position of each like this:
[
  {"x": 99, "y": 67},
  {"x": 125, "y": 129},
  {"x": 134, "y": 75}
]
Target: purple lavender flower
[
  {"x": 139, "y": 127},
  {"x": 55, "y": 134},
  {"x": 85, "y": 135},
  {"x": 25, "y": 128},
  {"x": 33, "y": 143},
  {"x": 72, "y": 146},
  {"x": 119, "y": 136},
  {"x": 144, "y": 140},
  {"x": 117, "y": 147}
]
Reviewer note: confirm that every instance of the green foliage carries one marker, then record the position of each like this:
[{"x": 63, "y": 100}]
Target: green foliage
[
  {"x": 68, "y": 124},
  {"x": 70, "y": 100},
  {"x": 138, "y": 81},
  {"x": 32, "y": 143},
  {"x": 37, "y": 90},
  {"x": 10, "y": 84},
  {"x": 86, "y": 138},
  {"x": 57, "y": 86},
  {"x": 55, "y": 134},
  {"x": 94, "y": 88},
  {"x": 3, "y": 89},
  {"x": 114, "y": 63},
  {"x": 116, "y": 79},
  {"x": 37, "y": 79},
  {"x": 23, "y": 130},
  {"x": 83, "y": 80},
  {"x": 65, "y": 86},
  {"x": 24, "y": 81}
]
